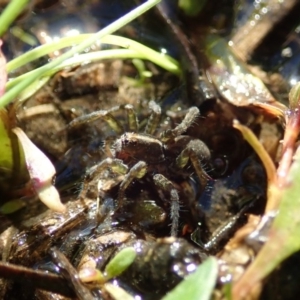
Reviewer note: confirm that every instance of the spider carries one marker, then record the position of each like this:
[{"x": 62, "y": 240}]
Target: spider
[{"x": 134, "y": 154}]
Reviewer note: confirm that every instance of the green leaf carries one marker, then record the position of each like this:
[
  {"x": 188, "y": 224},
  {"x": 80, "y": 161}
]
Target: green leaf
[
  {"x": 120, "y": 262},
  {"x": 6, "y": 149},
  {"x": 10, "y": 13},
  {"x": 198, "y": 285},
  {"x": 12, "y": 162}
]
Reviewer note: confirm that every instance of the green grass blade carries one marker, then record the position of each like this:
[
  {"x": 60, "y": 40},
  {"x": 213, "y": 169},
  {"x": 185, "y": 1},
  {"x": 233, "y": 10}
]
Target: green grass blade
[
  {"x": 158, "y": 58},
  {"x": 92, "y": 57},
  {"x": 10, "y": 13},
  {"x": 12, "y": 93}
]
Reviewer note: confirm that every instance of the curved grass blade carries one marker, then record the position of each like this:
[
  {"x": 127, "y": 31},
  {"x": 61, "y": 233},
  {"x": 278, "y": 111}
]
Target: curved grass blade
[
  {"x": 12, "y": 161},
  {"x": 10, "y": 13},
  {"x": 161, "y": 59},
  {"x": 11, "y": 94}
]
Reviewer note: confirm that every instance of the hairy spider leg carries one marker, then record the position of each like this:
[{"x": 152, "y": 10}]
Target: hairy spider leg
[
  {"x": 133, "y": 124},
  {"x": 197, "y": 152},
  {"x": 132, "y": 120},
  {"x": 166, "y": 185},
  {"x": 154, "y": 118},
  {"x": 107, "y": 116},
  {"x": 116, "y": 165},
  {"x": 99, "y": 114},
  {"x": 192, "y": 114},
  {"x": 138, "y": 171},
  {"x": 107, "y": 146},
  {"x": 115, "y": 125}
]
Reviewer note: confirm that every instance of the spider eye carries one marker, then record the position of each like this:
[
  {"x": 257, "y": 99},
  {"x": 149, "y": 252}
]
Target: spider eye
[
  {"x": 125, "y": 140},
  {"x": 220, "y": 166},
  {"x": 129, "y": 142}
]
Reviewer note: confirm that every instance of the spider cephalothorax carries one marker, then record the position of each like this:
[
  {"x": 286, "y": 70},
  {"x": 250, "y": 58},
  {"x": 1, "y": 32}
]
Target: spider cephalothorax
[{"x": 134, "y": 154}]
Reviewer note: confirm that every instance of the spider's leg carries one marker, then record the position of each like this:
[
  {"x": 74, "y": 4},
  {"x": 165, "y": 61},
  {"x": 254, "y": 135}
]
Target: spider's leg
[
  {"x": 154, "y": 118},
  {"x": 107, "y": 116},
  {"x": 116, "y": 165},
  {"x": 166, "y": 185},
  {"x": 197, "y": 152},
  {"x": 100, "y": 114},
  {"x": 107, "y": 146},
  {"x": 192, "y": 114},
  {"x": 132, "y": 120},
  {"x": 137, "y": 171}
]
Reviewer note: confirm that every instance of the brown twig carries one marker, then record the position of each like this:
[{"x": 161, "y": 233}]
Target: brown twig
[{"x": 36, "y": 279}]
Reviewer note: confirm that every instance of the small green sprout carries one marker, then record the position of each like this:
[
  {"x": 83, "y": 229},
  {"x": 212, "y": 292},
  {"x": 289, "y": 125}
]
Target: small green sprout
[{"x": 114, "y": 268}]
